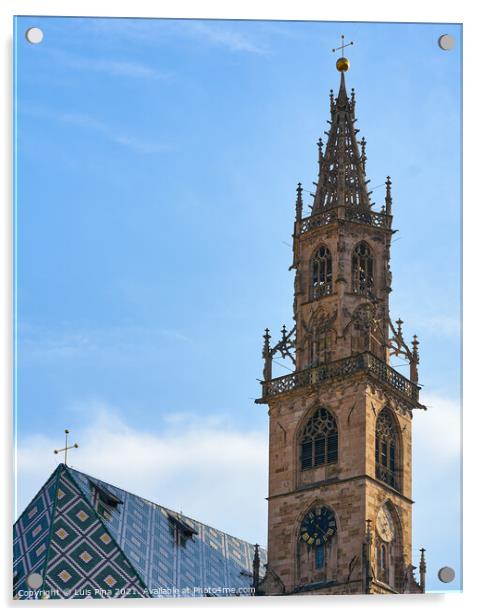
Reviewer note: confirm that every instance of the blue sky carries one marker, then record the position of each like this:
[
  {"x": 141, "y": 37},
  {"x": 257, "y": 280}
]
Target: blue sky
[{"x": 157, "y": 163}]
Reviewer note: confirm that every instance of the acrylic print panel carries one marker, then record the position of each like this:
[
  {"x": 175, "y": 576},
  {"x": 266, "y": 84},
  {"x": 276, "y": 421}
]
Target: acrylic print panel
[{"x": 157, "y": 165}]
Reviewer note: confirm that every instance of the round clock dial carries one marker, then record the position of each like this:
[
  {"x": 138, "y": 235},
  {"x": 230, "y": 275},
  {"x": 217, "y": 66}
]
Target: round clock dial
[
  {"x": 318, "y": 526},
  {"x": 385, "y": 527}
]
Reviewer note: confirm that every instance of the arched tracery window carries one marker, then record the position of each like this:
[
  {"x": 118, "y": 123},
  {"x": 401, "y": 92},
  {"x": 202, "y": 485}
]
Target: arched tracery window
[
  {"x": 386, "y": 449},
  {"x": 321, "y": 273},
  {"x": 319, "y": 440},
  {"x": 362, "y": 269}
]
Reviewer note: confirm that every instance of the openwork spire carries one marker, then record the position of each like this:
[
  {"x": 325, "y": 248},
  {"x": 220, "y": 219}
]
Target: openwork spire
[{"x": 342, "y": 167}]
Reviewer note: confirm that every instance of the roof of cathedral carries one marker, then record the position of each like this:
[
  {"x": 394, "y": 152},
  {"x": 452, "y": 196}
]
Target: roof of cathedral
[
  {"x": 341, "y": 179},
  {"x": 87, "y": 538}
]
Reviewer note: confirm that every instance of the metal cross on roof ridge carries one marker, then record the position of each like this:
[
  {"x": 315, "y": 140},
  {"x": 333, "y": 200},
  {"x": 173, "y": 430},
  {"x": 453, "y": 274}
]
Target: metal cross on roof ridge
[
  {"x": 67, "y": 447},
  {"x": 343, "y": 45}
]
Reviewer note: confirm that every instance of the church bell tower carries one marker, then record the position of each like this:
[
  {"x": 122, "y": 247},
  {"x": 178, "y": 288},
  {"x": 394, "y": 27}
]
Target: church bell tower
[{"x": 340, "y": 445}]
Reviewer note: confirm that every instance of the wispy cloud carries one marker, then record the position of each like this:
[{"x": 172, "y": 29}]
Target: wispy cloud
[
  {"x": 201, "y": 465},
  {"x": 140, "y": 145},
  {"x": 141, "y": 30},
  {"x": 41, "y": 344},
  {"x": 113, "y": 67},
  {"x": 89, "y": 122},
  {"x": 428, "y": 319},
  {"x": 137, "y": 144},
  {"x": 84, "y": 120},
  {"x": 154, "y": 31},
  {"x": 436, "y": 432},
  {"x": 441, "y": 325},
  {"x": 225, "y": 36}
]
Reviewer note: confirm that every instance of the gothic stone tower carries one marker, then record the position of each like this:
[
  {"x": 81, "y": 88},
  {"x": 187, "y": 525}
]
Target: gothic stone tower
[{"x": 340, "y": 459}]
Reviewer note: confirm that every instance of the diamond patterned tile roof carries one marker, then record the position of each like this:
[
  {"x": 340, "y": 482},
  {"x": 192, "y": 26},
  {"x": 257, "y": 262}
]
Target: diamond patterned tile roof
[{"x": 88, "y": 539}]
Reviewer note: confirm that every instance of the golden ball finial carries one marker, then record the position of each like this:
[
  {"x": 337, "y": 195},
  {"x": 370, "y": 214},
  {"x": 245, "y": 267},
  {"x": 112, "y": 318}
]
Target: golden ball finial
[{"x": 342, "y": 64}]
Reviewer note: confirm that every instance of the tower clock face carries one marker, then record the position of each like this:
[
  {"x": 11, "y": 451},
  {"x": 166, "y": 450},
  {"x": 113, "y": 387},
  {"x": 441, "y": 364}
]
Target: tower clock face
[
  {"x": 318, "y": 526},
  {"x": 385, "y": 527}
]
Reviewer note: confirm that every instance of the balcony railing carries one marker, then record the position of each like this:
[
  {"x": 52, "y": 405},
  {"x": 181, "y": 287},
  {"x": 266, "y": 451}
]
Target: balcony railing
[
  {"x": 341, "y": 368},
  {"x": 318, "y": 220},
  {"x": 367, "y": 217},
  {"x": 352, "y": 213}
]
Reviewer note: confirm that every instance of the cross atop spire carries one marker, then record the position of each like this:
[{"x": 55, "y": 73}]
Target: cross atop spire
[
  {"x": 342, "y": 64},
  {"x": 343, "y": 45},
  {"x": 67, "y": 447}
]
